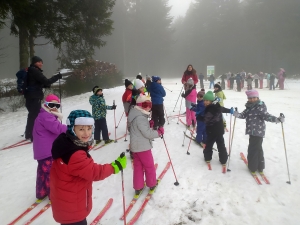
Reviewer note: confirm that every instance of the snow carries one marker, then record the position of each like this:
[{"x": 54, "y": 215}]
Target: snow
[{"x": 203, "y": 196}]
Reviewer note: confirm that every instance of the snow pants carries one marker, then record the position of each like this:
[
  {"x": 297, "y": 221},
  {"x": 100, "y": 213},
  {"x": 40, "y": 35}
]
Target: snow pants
[
  {"x": 281, "y": 84},
  {"x": 143, "y": 163},
  {"x": 255, "y": 156},
  {"x": 83, "y": 222},
  {"x": 43, "y": 178},
  {"x": 211, "y": 84},
  {"x": 242, "y": 83},
  {"x": 272, "y": 85},
  {"x": 100, "y": 125},
  {"x": 190, "y": 115},
  {"x": 261, "y": 83},
  {"x": 158, "y": 115},
  {"x": 208, "y": 152},
  {"x": 238, "y": 84},
  {"x": 223, "y": 84},
  {"x": 201, "y": 83},
  {"x": 33, "y": 106},
  {"x": 256, "y": 83},
  {"x": 228, "y": 83},
  {"x": 201, "y": 132}
]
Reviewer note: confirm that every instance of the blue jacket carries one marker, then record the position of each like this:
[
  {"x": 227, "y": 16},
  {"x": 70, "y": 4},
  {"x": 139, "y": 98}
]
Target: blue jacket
[
  {"x": 199, "y": 108},
  {"x": 157, "y": 92}
]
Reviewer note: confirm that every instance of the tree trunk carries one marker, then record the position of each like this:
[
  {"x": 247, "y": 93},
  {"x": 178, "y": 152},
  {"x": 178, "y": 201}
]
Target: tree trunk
[
  {"x": 31, "y": 45},
  {"x": 23, "y": 47}
]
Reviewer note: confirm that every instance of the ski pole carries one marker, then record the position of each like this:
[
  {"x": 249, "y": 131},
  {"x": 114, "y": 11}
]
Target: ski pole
[
  {"x": 167, "y": 89},
  {"x": 184, "y": 136},
  {"x": 166, "y": 114},
  {"x": 59, "y": 93},
  {"x": 178, "y": 99},
  {"x": 286, "y": 159},
  {"x": 126, "y": 130},
  {"x": 120, "y": 119},
  {"x": 176, "y": 183},
  {"x": 231, "y": 143},
  {"x": 123, "y": 192},
  {"x": 179, "y": 110},
  {"x": 115, "y": 122},
  {"x": 187, "y": 152}
]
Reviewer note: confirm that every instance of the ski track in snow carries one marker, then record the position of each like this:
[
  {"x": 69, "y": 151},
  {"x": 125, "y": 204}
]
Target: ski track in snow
[{"x": 231, "y": 198}]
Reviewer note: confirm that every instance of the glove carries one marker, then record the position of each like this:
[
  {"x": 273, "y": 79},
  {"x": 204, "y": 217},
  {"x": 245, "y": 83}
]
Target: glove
[
  {"x": 235, "y": 113},
  {"x": 193, "y": 104},
  {"x": 280, "y": 119},
  {"x": 151, "y": 123},
  {"x": 183, "y": 95},
  {"x": 160, "y": 131},
  {"x": 113, "y": 107},
  {"x": 231, "y": 110},
  {"x": 58, "y": 76},
  {"x": 120, "y": 163}
]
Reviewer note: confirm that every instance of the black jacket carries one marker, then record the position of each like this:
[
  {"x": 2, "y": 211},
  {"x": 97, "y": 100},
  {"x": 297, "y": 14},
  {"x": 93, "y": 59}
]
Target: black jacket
[
  {"x": 36, "y": 81},
  {"x": 213, "y": 119}
]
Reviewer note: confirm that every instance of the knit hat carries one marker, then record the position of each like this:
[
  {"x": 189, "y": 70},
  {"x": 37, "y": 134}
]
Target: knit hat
[
  {"x": 201, "y": 93},
  {"x": 190, "y": 81},
  {"x": 252, "y": 93},
  {"x": 96, "y": 89},
  {"x": 148, "y": 77},
  {"x": 36, "y": 59},
  {"x": 52, "y": 97},
  {"x": 127, "y": 83},
  {"x": 155, "y": 78},
  {"x": 138, "y": 84},
  {"x": 217, "y": 85},
  {"x": 209, "y": 96},
  {"x": 79, "y": 117},
  {"x": 139, "y": 77},
  {"x": 142, "y": 98}
]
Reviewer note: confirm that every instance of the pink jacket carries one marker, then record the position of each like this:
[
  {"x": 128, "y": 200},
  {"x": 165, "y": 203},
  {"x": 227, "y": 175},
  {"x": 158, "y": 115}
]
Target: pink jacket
[{"x": 192, "y": 97}]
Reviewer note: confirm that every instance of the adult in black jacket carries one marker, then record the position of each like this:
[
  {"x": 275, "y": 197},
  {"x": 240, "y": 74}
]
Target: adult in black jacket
[
  {"x": 213, "y": 120},
  {"x": 36, "y": 81}
]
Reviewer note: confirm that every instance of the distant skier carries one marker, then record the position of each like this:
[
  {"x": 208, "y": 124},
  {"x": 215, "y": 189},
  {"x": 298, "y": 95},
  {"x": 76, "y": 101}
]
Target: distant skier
[
  {"x": 211, "y": 81},
  {"x": 272, "y": 81},
  {"x": 201, "y": 78},
  {"x": 249, "y": 80},
  {"x": 281, "y": 78}
]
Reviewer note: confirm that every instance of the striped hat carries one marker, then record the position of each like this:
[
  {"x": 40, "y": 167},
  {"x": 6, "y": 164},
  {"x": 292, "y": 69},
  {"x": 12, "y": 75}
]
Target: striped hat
[{"x": 79, "y": 117}]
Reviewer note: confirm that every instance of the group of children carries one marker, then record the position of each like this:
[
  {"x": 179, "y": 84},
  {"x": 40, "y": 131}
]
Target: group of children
[{"x": 67, "y": 169}]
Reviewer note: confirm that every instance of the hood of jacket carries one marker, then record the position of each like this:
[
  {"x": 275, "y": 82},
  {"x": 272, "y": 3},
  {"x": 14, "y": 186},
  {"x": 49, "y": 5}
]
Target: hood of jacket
[{"x": 135, "y": 112}]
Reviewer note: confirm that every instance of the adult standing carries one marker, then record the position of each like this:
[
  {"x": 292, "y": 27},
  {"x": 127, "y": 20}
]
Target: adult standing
[
  {"x": 211, "y": 81},
  {"x": 201, "y": 77},
  {"x": 36, "y": 81},
  {"x": 243, "y": 75},
  {"x": 261, "y": 80},
  {"x": 256, "y": 77},
  {"x": 281, "y": 78},
  {"x": 189, "y": 73}
]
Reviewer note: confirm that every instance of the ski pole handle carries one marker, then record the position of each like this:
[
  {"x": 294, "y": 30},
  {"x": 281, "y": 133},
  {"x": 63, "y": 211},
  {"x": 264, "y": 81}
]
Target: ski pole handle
[
  {"x": 281, "y": 115},
  {"x": 122, "y": 154},
  {"x": 113, "y": 102},
  {"x": 236, "y": 109}
]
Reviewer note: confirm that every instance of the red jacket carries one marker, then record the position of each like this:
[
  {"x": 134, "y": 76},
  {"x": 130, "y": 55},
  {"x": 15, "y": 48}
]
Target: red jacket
[
  {"x": 71, "y": 179},
  {"x": 127, "y": 95},
  {"x": 186, "y": 76}
]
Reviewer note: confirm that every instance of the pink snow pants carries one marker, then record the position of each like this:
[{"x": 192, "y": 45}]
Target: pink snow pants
[
  {"x": 190, "y": 115},
  {"x": 261, "y": 83},
  {"x": 143, "y": 163}
]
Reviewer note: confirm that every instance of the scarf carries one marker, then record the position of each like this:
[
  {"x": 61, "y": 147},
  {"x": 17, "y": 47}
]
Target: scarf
[{"x": 78, "y": 142}]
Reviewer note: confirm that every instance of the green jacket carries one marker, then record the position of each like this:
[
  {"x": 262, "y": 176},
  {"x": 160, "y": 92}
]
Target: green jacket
[
  {"x": 221, "y": 96},
  {"x": 98, "y": 107}
]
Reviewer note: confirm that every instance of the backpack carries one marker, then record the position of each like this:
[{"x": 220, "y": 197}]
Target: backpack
[{"x": 22, "y": 80}]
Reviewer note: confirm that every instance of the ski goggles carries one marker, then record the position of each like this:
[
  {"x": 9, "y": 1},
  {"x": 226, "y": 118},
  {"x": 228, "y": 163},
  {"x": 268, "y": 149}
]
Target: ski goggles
[
  {"x": 52, "y": 105},
  {"x": 145, "y": 105}
]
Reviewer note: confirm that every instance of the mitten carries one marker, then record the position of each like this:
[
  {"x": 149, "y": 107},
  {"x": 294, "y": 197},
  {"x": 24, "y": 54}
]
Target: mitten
[
  {"x": 113, "y": 107},
  {"x": 151, "y": 123},
  {"x": 280, "y": 119},
  {"x": 231, "y": 110},
  {"x": 183, "y": 95},
  {"x": 120, "y": 163},
  {"x": 235, "y": 113},
  {"x": 160, "y": 131},
  {"x": 58, "y": 76}
]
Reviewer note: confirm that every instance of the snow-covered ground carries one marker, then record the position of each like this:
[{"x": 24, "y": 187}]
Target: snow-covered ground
[{"x": 231, "y": 198}]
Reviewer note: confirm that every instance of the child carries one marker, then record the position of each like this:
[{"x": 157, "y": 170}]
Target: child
[
  {"x": 272, "y": 82},
  {"x": 199, "y": 109},
  {"x": 99, "y": 113},
  {"x": 219, "y": 94},
  {"x": 73, "y": 170},
  {"x": 127, "y": 96},
  {"x": 157, "y": 93},
  {"x": 46, "y": 129},
  {"x": 190, "y": 96},
  {"x": 214, "y": 128},
  {"x": 256, "y": 114},
  {"x": 141, "y": 136}
]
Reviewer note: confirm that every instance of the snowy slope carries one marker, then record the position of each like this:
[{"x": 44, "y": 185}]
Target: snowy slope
[{"x": 231, "y": 198}]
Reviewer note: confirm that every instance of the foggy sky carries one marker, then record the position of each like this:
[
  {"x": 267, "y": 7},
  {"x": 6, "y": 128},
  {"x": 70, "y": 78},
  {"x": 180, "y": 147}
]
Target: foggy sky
[{"x": 179, "y": 7}]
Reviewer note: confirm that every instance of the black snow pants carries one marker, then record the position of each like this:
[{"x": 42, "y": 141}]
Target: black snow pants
[
  {"x": 33, "y": 106},
  {"x": 256, "y": 83},
  {"x": 83, "y": 222},
  {"x": 158, "y": 115},
  {"x": 219, "y": 139},
  {"x": 201, "y": 83},
  {"x": 255, "y": 156},
  {"x": 100, "y": 125}
]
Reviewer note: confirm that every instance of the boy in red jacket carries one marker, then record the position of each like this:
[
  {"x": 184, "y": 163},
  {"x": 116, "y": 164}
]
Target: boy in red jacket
[
  {"x": 127, "y": 96},
  {"x": 73, "y": 170}
]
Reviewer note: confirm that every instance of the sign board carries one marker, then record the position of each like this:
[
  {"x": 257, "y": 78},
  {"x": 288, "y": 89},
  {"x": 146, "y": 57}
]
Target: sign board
[{"x": 210, "y": 70}]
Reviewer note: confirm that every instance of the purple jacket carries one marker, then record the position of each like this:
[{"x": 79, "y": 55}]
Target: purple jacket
[{"x": 46, "y": 129}]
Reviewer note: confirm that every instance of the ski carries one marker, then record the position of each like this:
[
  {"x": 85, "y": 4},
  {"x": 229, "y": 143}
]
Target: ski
[
  {"x": 265, "y": 179},
  {"x": 95, "y": 145},
  {"x": 134, "y": 200},
  {"x": 20, "y": 143},
  {"x": 148, "y": 197},
  {"x": 208, "y": 165},
  {"x": 35, "y": 204},
  {"x": 224, "y": 169},
  {"x": 39, "y": 213},
  {"x": 103, "y": 211},
  {"x": 253, "y": 174}
]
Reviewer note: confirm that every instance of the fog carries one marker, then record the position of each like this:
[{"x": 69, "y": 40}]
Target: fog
[{"x": 153, "y": 38}]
